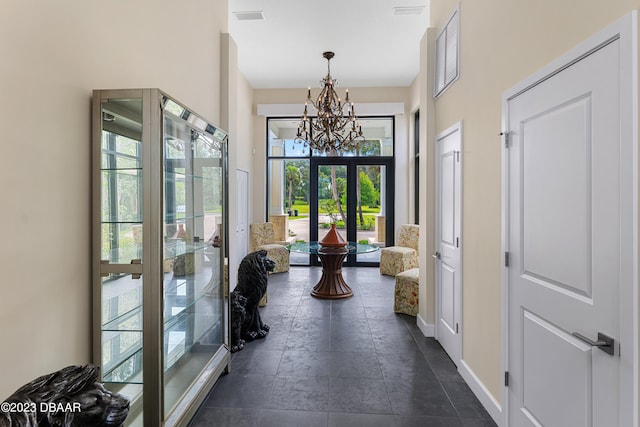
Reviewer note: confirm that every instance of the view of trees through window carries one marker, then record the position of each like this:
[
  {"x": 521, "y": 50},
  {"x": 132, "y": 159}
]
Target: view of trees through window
[
  {"x": 332, "y": 184},
  {"x": 121, "y": 201},
  {"x": 315, "y": 190},
  {"x": 332, "y": 192}
]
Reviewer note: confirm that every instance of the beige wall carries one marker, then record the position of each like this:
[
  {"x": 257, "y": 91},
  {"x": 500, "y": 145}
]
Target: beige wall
[
  {"x": 244, "y": 140},
  {"x": 236, "y": 108},
  {"x": 53, "y": 55},
  {"x": 404, "y": 162},
  {"x": 245, "y": 126},
  {"x": 501, "y": 43},
  {"x": 421, "y": 99}
]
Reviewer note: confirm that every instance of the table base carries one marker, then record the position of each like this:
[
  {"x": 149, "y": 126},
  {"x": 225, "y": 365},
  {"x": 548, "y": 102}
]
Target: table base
[{"x": 332, "y": 284}]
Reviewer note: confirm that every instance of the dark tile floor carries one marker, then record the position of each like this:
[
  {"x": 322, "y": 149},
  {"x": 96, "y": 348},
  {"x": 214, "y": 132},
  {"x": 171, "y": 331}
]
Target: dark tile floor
[{"x": 350, "y": 362}]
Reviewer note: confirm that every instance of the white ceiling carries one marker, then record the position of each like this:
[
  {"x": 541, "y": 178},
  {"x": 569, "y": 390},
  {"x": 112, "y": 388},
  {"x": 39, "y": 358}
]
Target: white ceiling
[{"x": 373, "y": 48}]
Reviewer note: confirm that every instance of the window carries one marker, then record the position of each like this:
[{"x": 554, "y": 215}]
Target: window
[
  {"x": 447, "y": 49},
  {"x": 301, "y": 185}
]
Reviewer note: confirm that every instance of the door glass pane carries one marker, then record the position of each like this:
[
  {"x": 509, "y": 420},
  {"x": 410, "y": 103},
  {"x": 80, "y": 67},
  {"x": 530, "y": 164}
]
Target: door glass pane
[
  {"x": 121, "y": 242},
  {"x": 193, "y": 277},
  {"x": 370, "y": 217},
  {"x": 332, "y": 199}
]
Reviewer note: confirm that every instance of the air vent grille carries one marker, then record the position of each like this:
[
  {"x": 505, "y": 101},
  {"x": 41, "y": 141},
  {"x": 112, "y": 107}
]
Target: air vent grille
[
  {"x": 407, "y": 10},
  {"x": 255, "y": 15}
]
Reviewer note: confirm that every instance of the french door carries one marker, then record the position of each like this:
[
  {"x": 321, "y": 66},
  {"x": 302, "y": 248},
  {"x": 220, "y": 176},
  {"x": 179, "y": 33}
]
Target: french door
[{"x": 357, "y": 195}]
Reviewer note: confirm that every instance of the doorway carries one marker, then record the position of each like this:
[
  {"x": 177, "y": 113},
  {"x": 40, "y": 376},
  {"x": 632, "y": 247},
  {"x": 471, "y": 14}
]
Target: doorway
[
  {"x": 569, "y": 238},
  {"x": 448, "y": 241},
  {"x": 242, "y": 227},
  {"x": 353, "y": 193},
  {"x": 363, "y": 180}
]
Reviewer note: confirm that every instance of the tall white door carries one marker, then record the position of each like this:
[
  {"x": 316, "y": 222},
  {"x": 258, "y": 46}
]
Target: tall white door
[
  {"x": 448, "y": 242},
  {"x": 242, "y": 228},
  {"x": 569, "y": 224}
]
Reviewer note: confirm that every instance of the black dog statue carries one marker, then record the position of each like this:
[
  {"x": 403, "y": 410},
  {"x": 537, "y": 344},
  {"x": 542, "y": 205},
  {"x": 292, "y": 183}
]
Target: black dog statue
[
  {"x": 246, "y": 324},
  {"x": 69, "y": 397}
]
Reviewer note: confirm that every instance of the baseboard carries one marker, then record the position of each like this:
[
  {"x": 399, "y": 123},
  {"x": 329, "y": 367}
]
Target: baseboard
[
  {"x": 427, "y": 329},
  {"x": 482, "y": 393}
]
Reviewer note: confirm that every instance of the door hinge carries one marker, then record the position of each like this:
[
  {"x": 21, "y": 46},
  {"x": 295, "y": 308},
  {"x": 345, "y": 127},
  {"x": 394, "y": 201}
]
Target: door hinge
[
  {"x": 457, "y": 328},
  {"x": 506, "y": 378},
  {"x": 506, "y": 259},
  {"x": 457, "y": 156},
  {"x": 506, "y": 138},
  {"x": 457, "y": 242}
]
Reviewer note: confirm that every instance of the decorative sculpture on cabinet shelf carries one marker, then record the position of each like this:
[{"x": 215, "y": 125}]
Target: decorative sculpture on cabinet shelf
[
  {"x": 70, "y": 397},
  {"x": 246, "y": 323}
]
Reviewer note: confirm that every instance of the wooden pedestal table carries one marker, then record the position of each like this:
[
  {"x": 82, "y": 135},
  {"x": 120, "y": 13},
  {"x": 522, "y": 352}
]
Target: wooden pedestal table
[{"x": 331, "y": 285}]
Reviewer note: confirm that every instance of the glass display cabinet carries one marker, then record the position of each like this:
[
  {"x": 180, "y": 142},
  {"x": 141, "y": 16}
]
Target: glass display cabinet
[{"x": 159, "y": 187}]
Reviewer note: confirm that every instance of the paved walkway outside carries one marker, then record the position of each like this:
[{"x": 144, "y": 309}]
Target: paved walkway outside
[{"x": 300, "y": 226}]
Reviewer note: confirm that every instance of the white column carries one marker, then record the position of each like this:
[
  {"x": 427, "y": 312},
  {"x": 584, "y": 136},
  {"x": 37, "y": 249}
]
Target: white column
[{"x": 277, "y": 179}]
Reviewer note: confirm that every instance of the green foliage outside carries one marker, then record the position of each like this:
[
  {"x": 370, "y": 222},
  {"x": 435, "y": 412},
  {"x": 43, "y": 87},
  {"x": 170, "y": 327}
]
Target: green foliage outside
[
  {"x": 303, "y": 208},
  {"x": 332, "y": 193},
  {"x": 369, "y": 195},
  {"x": 297, "y": 183},
  {"x": 369, "y": 213},
  {"x": 122, "y": 192},
  {"x": 369, "y": 224}
]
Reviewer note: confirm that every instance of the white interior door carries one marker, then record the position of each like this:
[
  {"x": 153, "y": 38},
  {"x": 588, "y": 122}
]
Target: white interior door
[
  {"x": 242, "y": 228},
  {"x": 568, "y": 225},
  {"x": 448, "y": 242}
]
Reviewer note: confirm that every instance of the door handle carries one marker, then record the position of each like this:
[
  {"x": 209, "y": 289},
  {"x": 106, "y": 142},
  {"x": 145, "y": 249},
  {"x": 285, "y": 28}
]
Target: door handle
[
  {"x": 436, "y": 255},
  {"x": 604, "y": 342}
]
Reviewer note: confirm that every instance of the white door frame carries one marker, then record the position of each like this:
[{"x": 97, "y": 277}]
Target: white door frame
[
  {"x": 625, "y": 29},
  {"x": 456, "y": 353},
  {"x": 242, "y": 234}
]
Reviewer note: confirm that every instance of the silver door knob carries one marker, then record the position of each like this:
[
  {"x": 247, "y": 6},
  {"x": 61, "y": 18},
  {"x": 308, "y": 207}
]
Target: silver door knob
[{"x": 436, "y": 255}]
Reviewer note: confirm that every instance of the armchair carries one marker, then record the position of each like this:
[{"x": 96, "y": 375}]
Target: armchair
[
  {"x": 262, "y": 236},
  {"x": 403, "y": 256}
]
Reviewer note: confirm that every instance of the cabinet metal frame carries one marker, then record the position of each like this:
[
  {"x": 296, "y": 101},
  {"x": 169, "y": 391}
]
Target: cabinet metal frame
[{"x": 152, "y": 270}]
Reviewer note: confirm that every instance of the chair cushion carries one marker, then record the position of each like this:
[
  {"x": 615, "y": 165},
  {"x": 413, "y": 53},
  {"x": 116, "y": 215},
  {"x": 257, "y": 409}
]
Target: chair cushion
[
  {"x": 279, "y": 254},
  {"x": 396, "y": 259},
  {"x": 410, "y": 276},
  {"x": 402, "y": 251}
]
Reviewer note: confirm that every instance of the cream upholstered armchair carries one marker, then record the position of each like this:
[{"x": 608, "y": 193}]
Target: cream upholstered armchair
[
  {"x": 403, "y": 256},
  {"x": 262, "y": 236}
]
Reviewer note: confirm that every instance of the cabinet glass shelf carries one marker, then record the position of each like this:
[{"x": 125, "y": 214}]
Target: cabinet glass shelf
[{"x": 128, "y": 321}]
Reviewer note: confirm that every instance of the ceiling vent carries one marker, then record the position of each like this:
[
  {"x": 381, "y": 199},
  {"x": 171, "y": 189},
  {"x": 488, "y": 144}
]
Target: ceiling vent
[
  {"x": 407, "y": 10},
  {"x": 255, "y": 15}
]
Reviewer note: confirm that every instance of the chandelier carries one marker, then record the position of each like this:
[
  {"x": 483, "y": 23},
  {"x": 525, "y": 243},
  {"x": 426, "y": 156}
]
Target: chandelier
[{"x": 336, "y": 128}]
